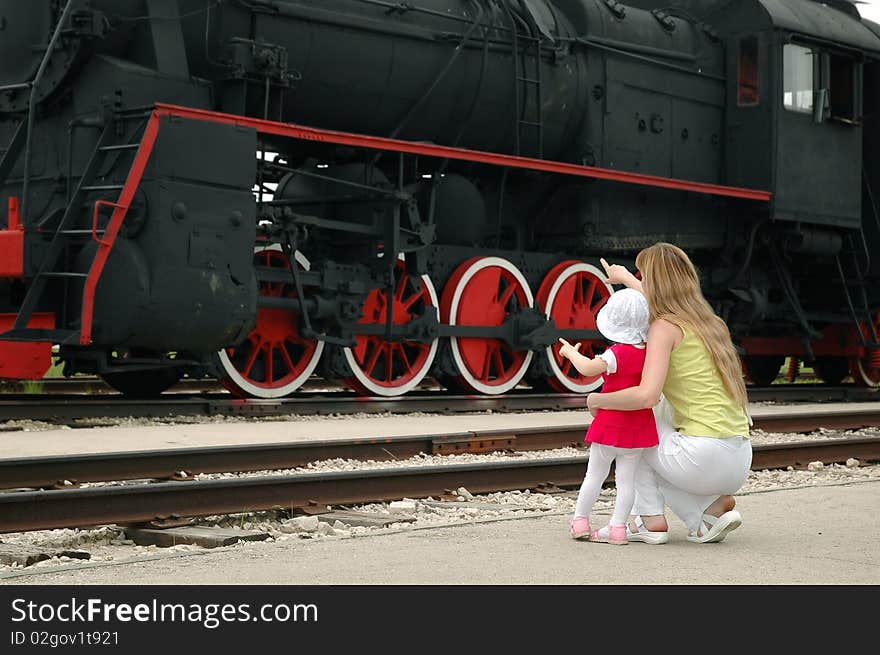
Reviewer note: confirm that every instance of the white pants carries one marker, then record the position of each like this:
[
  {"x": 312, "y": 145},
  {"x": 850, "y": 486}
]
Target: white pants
[
  {"x": 688, "y": 473},
  {"x": 598, "y": 467}
]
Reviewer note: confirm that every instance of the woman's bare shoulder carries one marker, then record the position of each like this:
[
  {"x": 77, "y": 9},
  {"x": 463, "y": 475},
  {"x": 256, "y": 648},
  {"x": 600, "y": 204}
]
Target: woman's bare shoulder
[{"x": 665, "y": 330}]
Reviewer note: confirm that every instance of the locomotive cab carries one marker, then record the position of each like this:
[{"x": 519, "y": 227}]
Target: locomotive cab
[{"x": 795, "y": 108}]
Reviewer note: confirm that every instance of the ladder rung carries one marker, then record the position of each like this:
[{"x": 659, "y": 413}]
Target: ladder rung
[
  {"x": 78, "y": 232},
  {"x": 104, "y": 187},
  {"x": 529, "y": 80},
  {"x": 124, "y": 146},
  {"x": 62, "y": 274}
]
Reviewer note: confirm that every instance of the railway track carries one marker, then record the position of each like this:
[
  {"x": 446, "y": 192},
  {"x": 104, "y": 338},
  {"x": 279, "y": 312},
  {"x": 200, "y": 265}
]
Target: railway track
[
  {"x": 68, "y": 408},
  {"x": 88, "y": 385},
  {"x": 63, "y": 471},
  {"x": 92, "y": 385},
  {"x": 145, "y": 502}
]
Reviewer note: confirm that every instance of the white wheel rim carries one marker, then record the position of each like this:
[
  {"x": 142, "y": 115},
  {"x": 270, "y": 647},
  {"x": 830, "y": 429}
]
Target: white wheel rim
[
  {"x": 475, "y": 268},
  {"x": 871, "y": 384},
  {"x": 277, "y": 392},
  {"x": 566, "y": 381}
]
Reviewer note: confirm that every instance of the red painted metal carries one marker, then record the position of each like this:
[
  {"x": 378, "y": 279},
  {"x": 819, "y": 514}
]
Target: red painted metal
[
  {"x": 14, "y": 220},
  {"x": 12, "y": 243},
  {"x": 12, "y": 253},
  {"x": 794, "y": 366},
  {"x": 25, "y": 360},
  {"x": 865, "y": 368},
  {"x": 98, "y": 205},
  {"x": 121, "y": 209},
  {"x": 445, "y": 152}
]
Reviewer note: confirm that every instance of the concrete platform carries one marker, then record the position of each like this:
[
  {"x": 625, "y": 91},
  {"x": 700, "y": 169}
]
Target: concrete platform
[
  {"x": 811, "y": 535},
  {"x": 252, "y": 431}
]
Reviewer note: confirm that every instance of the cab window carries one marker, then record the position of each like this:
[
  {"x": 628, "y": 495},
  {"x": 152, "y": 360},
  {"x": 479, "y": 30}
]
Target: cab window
[
  {"x": 797, "y": 78},
  {"x": 747, "y": 75},
  {"x": 843, "y": 85}
]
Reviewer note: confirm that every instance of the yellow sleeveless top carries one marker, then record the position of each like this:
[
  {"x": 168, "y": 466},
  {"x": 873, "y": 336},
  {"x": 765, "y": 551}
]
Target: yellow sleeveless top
[{"x": 701, "y": 406}]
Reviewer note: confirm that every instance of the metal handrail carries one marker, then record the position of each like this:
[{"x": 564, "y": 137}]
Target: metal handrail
[
  {"x": 13, "y": 87},
  {"x": 98, "y": 205},
  {"x": 32, "y": 104}
]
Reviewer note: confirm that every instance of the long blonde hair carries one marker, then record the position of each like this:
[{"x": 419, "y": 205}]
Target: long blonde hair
[{"x": 672, "y": 287}]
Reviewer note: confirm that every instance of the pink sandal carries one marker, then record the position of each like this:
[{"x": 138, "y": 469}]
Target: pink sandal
[
  {"x": 610, "y": 534},
  {"x": 579, "y": 527}
]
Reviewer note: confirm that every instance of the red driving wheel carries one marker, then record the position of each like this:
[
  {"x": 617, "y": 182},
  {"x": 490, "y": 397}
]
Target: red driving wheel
[
  {"x": 275, "y": 359},
  {"x": 572, "y": 294},
  {"x": 485, "y": 291},
  {"x": 384, "y": 368}
]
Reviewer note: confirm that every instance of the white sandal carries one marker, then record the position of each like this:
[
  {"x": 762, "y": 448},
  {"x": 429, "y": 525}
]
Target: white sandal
[
  {"x": 644, "y": 535},
  {"x": 719, "y": 527}
]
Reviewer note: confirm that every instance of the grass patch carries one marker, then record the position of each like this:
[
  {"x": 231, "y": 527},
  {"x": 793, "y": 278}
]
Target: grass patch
[
  {"x": 31, "y": 387},
  {"x": 56, "y": 370}
]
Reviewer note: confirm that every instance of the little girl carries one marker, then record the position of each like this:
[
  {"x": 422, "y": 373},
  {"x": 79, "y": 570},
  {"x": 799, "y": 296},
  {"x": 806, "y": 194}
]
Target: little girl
[{"x": 615, "y": 436}]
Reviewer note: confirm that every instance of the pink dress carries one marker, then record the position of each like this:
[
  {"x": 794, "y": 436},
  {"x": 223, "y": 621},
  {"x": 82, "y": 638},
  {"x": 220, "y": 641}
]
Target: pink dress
[{"x": 624, "y": 429}]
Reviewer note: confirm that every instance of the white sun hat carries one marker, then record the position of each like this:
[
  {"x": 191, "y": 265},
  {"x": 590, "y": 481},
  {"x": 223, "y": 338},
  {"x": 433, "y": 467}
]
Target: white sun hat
[{"x": 624, "y": 318}]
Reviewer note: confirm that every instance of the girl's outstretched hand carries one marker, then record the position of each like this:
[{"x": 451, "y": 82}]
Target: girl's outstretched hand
[
  {"x": 616, "y": 273},
  {"x": 567, "y": 349}
]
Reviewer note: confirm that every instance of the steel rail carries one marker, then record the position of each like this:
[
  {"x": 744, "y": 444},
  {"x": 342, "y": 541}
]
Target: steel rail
[
  {"x": 93, "y": 385},
  {"x": 126, "y": 504},
  {"x": 800, "y": 454},
  {"x": 62, "y": 407},
  {"x": 43, "y": 510},
  {"x": 59, "y": 471},
  {"x": 829, "y": 418}
]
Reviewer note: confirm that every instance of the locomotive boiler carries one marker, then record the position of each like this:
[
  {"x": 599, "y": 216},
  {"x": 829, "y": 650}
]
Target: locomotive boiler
[{"x": 386, "y": 193}]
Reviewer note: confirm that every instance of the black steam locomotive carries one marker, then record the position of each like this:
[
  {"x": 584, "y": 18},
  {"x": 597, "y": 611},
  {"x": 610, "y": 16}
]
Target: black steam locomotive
[{"x": 379, "y": 191}]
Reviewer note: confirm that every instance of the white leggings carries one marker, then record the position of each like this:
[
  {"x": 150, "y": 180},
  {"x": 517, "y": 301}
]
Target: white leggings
[
  {"x": 688, "y": 473},
  {"x": 598, "y": 467}
]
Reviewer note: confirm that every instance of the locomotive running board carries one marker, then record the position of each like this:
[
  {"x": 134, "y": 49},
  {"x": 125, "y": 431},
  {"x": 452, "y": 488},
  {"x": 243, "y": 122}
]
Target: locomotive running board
[{"x": 293, "y": 131}]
